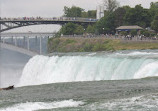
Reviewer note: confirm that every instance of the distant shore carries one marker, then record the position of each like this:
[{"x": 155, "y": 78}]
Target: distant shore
[{"x": 94, "y": 44}]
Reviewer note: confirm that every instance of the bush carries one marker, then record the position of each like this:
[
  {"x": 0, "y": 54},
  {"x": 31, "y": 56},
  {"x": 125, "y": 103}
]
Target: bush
[
  {"x": 133, "y": 32},
  {"x": 152, "y": 34},
  {"x": 87, "y": 47},
  {"x": 123, "y": 33},
  {"x": 69, "y": 41}
]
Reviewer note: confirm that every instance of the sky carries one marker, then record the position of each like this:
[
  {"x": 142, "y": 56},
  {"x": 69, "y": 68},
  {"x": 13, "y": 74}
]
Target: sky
[{"x": 53, "y": 8}]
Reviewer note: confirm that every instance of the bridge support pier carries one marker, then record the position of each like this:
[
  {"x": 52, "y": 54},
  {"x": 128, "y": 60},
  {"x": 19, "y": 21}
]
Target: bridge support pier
[
  {"x": 40, "y": 45},
  {"x": 12, "y": 40},
  {"x": 24, "y": 40},
  {"x": 15, "y": 41},
  {"x": 28, "y": 43},
  {"x": 3, "y": 40}
]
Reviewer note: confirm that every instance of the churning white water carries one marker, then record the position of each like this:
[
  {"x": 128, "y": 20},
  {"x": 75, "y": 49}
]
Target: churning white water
[
  {"x": 91, "y": 67},
  {"x": 32, "y": 106}
]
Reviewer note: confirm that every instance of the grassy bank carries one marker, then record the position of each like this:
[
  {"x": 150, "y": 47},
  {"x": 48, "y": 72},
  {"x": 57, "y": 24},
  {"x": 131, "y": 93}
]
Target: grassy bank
[{"x": 96, "y": 44}]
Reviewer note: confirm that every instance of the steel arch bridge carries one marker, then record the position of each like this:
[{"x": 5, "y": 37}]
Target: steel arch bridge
[{"x": 11, "y": 23}]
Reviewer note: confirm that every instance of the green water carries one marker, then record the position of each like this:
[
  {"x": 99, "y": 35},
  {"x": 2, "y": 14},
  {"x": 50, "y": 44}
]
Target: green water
[{"x": 124, "y": 95}]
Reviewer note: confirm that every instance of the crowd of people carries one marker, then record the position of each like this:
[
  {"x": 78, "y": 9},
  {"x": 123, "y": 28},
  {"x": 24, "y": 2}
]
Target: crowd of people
[
  {"x": 51, "y": 18},
  {"x": 116, "y": 36}
]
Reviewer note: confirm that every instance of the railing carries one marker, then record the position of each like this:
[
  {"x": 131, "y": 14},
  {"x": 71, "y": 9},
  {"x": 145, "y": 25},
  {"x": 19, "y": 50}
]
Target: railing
[
  {"x": 124, "y": 38},
  {"x": 49, "y": 19},
  {"x": 22, "y": 34}
]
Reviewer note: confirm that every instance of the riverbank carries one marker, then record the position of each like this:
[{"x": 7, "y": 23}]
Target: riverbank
[{"x": 80, "y": 44}]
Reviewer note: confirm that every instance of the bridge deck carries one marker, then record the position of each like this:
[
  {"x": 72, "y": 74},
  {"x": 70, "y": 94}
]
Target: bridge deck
[
  {"x": 11, "y": 23},
  {"x": 60, "y": 19}
]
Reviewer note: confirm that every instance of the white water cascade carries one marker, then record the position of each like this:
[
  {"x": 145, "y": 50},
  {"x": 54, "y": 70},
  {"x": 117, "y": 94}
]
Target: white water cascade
[{"x": 92, "y": 67}]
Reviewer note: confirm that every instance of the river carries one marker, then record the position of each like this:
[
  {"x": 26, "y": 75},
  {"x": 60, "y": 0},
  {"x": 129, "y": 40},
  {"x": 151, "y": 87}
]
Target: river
[{"x": 99, "y": 81}]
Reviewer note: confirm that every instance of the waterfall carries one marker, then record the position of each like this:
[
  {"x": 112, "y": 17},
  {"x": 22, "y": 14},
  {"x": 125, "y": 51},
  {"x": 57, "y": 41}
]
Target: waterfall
[{"x": 91, "y": 67}]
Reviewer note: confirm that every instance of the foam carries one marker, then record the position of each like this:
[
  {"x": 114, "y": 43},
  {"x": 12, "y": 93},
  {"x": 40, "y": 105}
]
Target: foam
[
  {"x": 141, "y": 103},
  {"x": 30, "y": 106}
]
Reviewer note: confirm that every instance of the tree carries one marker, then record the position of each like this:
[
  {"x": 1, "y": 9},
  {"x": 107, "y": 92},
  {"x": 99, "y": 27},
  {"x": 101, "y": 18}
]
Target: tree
[
  {"x": 73, "y": 11},
  {"x": 90, "y": 29},
  {"x": 153, "y": 9},
  {"x": 111, "y": 5},
  {"x": 68, "y": 29},
  {"x": 119, "y": 16},
  {"x": 84, "y": 15},
  {"x": 71, "y": 28},
  {"x": 133, "y": 32},
  {"x": 79, "y": 30},
  {"x": 91, "y": 13},
  {"x": 137, "y": 16},
  {"x": 154, "y": 24},
  {"x": 106, "y": 24}
]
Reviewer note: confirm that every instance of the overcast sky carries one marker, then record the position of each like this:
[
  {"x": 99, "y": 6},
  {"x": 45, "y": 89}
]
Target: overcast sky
[{"x": 54, "y": 8}]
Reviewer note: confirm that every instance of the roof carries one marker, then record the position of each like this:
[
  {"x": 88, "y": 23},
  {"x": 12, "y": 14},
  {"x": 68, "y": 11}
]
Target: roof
[{"x": 129, "y": 27}]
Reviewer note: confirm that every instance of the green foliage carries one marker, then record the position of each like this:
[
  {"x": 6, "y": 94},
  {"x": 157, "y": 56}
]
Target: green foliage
[
  {"x": 87, "y": 47},
  {"x": 133, "y": 32},
  {"x": 111, "y": 5},
  {"x": 137, "y": 16},
  {"x": 124, "y": 33},
  {"x": 106, "y": 24},
  {"x": 80, "y": 45},
  {"x": 69, "y": 41},
  {"x": 84, "y": 15},
  {"x": 148, "y": 33},
  {"x": 119, "y": 16},
  {"x": 145, "y": 33},
  {"x": 91, "y": 14},
  {"x": 68, "y": 29},
  {"x": 58, "y": 34},
  {"x": 152, "y": 34},
  {"x": 90, "y": 29},
  {"x": 154, "y": 24},
  {"x": 71, "y": 28},
  {"x": 79, "y": 30},
  {"x": 53, "y": 44},
  {"x": 98, "y": 46},
  {"x": 73, "y": 11},
  {"x": 153, "y": 9}
]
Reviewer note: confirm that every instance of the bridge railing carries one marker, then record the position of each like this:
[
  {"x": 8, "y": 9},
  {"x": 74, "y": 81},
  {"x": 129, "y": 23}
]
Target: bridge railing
[{"x": 49, "y": 19}]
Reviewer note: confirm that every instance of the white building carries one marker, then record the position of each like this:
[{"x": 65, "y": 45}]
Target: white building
[{"x": 100, "y": 11}]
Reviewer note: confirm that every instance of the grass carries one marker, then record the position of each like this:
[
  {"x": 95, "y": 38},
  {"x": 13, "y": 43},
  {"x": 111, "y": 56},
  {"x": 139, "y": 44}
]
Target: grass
[{"x": 96, "y": 44}]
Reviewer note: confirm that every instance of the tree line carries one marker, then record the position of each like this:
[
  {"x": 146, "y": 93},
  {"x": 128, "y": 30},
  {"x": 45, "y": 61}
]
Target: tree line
[{"x": 115, "y": 16}]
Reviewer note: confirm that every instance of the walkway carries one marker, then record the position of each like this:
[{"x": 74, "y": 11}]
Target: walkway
[{"x": 17, "y": 49}]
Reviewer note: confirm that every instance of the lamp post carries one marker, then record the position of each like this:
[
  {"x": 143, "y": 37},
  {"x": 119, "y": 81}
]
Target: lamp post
[
  {"x": 103, "y": 30},
  {"x": 84, "y": 30}
]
